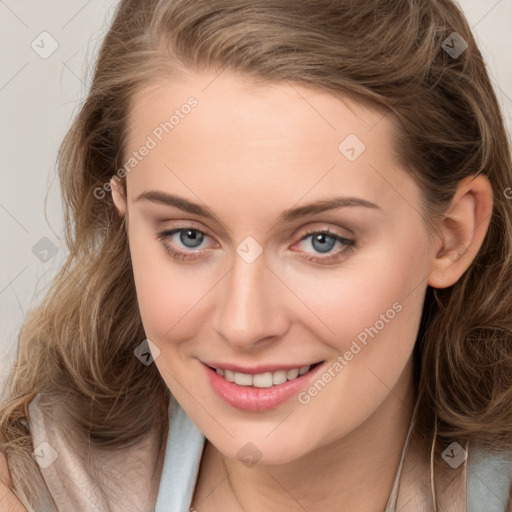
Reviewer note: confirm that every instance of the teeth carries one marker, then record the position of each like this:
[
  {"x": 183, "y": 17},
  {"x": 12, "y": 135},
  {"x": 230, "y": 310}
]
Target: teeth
[
  {"x": 292, "y": 374},
  {"x": 279, "y": 377},
  {"x": 303, "y": 370},
  {"x": 243, "y": 379},
  {"x": 263, "y": 380}
]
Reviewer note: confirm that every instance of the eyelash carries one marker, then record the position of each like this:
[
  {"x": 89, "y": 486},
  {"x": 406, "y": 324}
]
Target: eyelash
[{"x": 187, "y": 255}]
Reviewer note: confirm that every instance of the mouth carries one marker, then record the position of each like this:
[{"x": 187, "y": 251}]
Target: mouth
[
  {"x": 264, "y": 379},
  {"x": 257, "y": 390}
]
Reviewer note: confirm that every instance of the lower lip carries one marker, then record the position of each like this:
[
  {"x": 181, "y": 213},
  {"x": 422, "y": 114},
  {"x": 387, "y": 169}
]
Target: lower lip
[{"x": 250, "y": 398}]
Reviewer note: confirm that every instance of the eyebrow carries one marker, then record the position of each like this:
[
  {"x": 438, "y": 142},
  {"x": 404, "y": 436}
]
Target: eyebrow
[{"x": 289, "y": 215}]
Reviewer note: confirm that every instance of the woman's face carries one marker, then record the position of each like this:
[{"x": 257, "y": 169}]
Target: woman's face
[{"x": 255, "y": 289}]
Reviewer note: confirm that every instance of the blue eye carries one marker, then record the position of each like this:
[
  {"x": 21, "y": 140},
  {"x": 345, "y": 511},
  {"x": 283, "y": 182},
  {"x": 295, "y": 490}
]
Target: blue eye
[
  {"x": 190, "y": 237},
  {"x": 322, "y": 241}
]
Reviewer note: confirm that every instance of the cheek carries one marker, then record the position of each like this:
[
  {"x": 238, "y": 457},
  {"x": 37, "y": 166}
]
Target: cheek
[
  {"x": 376, "y": 293},
  {"x": 374, "y": 308},
  {"x": 167, "y": 292}
]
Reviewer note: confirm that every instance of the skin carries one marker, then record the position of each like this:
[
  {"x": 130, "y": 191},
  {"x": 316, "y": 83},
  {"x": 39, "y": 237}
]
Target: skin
[{"x": 248, "y": 153}]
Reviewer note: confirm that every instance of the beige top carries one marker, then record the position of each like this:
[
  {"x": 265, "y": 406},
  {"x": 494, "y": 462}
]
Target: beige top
[{"x": 131, "y": 476}]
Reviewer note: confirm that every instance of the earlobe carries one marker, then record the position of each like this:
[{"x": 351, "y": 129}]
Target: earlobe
[
  {"x": 462, "y": 231},
  {"x": 118, "y": 198}
]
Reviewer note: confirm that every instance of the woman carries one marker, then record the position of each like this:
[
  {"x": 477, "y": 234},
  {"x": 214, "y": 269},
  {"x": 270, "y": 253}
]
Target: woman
[{"x": 288, "y": 285}]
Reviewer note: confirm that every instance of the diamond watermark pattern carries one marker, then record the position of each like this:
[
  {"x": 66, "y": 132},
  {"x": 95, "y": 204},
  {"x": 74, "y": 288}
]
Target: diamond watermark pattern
[
  {"x": 44, "y": 45},
  {"x": 454, "y": 455},
  {"x": 249, "y": 249},
  {"x": 147, "y": 352},
  {"x": 454, "y": 45},
  {"x": 249, "y": 454},
  {"x": 44, "y": 249},
  {"x": 351, "y": 147},
  {"x": 45, "y": 455}
]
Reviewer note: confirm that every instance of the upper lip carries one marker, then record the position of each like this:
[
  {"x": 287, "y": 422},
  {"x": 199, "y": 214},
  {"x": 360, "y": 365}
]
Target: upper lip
[{"x": 256, "y": 369}]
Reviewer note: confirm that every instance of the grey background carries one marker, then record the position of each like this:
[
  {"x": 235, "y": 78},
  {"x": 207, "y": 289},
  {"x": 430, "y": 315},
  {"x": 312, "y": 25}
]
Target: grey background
[{"x": 38, "y": 99}]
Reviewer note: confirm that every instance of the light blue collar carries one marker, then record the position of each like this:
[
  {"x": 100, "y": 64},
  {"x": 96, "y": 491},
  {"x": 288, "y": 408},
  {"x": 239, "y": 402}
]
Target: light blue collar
[
  {"x": 488, "y": 480},
  {"x": 181, "y": 464}
]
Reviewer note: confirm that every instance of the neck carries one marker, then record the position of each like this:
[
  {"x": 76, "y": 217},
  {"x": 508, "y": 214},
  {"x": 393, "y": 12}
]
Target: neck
[{"x": 356, "y": 473}]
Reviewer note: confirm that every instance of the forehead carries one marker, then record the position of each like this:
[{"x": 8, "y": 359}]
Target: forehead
[
  {"x": 221, "y": 131},
  {"x": 232, "y": 101}
]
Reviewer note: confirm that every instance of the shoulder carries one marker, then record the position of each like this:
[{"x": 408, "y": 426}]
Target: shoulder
[{"x": 8, "y": 500}]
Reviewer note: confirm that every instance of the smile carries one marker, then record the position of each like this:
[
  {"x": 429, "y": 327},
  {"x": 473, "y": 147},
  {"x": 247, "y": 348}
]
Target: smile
[
  {"x": 259, "y": 390},
  {"x": 263, "y": 380}
]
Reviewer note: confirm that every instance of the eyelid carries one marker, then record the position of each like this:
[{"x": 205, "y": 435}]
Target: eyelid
[
  {"x": 329, "y": 258},
  {"x": 327, "y": 230}
]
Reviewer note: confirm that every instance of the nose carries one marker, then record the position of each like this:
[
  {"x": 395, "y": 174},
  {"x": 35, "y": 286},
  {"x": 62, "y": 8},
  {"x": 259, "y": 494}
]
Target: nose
[{"x": 251, "y": 310}]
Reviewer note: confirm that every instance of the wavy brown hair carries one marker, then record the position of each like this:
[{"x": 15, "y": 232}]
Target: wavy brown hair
[{"x": 78, "y": 344}]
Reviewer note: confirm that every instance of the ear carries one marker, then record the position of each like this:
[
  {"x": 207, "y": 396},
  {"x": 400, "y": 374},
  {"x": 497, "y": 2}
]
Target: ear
[
  {"x": 462, "y": 230},
  {"x": 118, "y": 197}
]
